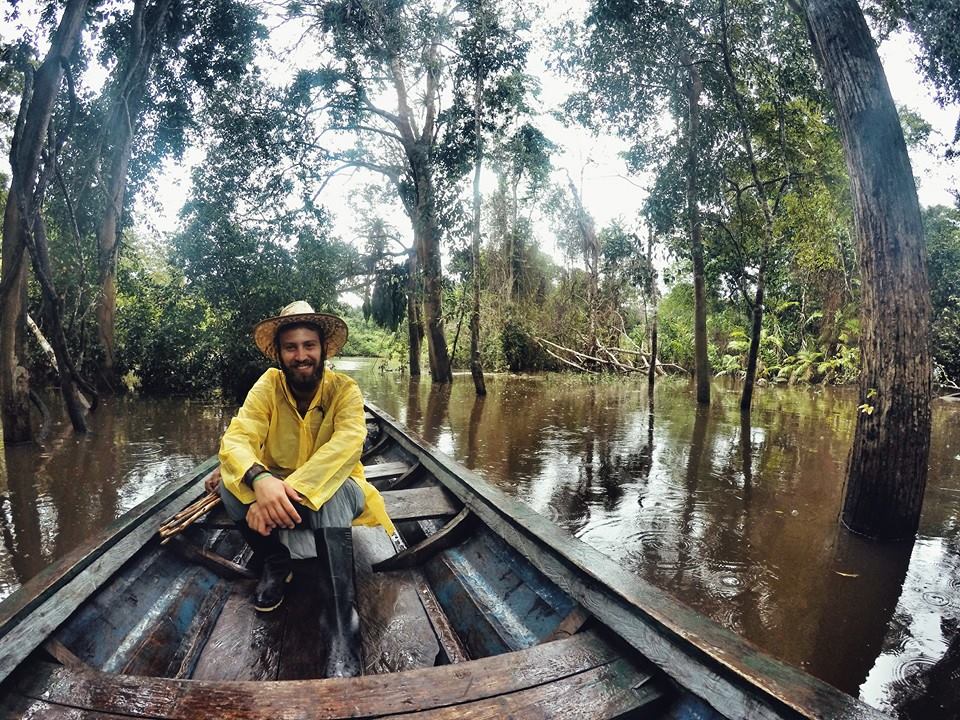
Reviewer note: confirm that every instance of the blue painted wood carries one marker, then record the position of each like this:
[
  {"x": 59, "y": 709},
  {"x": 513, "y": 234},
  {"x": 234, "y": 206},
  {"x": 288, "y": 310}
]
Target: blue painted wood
[{"x": 496, "y": 600}]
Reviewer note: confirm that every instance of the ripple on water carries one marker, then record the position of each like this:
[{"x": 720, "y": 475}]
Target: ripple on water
[
  {"x": 936, "y": 599},
  {"x": 910, "y": 672}
]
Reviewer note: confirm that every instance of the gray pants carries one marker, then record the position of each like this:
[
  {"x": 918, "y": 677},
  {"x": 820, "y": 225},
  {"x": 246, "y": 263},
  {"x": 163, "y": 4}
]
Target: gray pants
[{"x": 339, "y": 511}]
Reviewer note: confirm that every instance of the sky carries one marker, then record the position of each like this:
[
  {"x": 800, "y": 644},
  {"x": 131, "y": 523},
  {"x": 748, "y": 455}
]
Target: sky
[{"x": 609, "y": 192}]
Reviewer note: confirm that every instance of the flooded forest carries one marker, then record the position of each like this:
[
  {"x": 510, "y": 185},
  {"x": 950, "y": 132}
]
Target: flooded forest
[{"x": 684, "y": 278}]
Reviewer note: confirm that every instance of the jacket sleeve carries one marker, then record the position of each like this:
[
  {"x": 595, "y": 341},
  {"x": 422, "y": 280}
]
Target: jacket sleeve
[
  {"x": 324, "y": 472},
  {"x": 242, "y": 443}
]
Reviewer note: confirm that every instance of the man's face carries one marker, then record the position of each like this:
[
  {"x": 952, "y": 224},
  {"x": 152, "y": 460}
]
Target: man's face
[{"x": 300, "y": 351}]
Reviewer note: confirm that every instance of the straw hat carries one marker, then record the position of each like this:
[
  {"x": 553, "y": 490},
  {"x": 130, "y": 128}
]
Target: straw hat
[{"x": 334, "y": 329}]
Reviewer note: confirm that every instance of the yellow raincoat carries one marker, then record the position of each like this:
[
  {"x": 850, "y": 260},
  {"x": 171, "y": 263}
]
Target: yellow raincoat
[{"x": 314, "y": 454}]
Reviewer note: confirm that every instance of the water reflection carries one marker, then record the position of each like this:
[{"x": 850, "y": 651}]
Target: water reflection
[
  {"x": 736, "y": 515},
  {"x": 56, "y": 495}
]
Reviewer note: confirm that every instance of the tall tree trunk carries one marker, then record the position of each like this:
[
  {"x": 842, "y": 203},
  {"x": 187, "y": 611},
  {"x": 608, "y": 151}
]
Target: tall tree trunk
[
  {"x": 476, "y": 369},
  {"x": 887, "y": 466},
  {"x": 591, "y": 258},
  {"x": 146, "y": 30},
  {"x": 694, "y": 89},
  {"x": 41, "y": 265},
  {"x": 428, "y": 255},
  {"x": 414, "y": 324},
  {"x": 753, "y": 354},
  {"x": 756, "y": 327},
  {"x": 512, "y": 240},
  {"x": 29, "y": 136},
  {"x": 652, "y": 293}
]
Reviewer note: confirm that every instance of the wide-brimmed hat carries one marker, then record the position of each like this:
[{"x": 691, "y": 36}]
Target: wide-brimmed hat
[{"x": 334, "y": 329}]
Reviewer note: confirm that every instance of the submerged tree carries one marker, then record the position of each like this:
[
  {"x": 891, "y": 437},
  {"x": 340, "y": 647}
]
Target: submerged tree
[
  {"x": 887, "y": 467},
  {"x": 24, "y": 200}
]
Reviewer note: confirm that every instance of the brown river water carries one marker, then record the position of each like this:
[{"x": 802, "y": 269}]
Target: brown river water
[{"x": 737, "y": 519}]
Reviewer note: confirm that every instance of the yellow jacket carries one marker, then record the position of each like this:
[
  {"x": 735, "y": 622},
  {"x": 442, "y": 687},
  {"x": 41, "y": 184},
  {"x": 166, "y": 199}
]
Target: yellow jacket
[{"x": 314, "y": 455}]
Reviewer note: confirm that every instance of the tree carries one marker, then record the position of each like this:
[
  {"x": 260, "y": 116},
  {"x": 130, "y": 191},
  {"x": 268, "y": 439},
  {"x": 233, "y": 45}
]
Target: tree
[
  {"x": 637, "y": 59},
  {"x": 40, "y": 92},
  {"x": 491, "y": 58},
  {"x": 380, "y": 47},
  {"x": 887, "y": 467},
  {"x": 169, "y": 54}
]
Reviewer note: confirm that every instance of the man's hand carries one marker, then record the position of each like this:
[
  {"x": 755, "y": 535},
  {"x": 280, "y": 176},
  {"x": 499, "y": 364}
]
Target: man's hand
[
  {"x": 273, "y": 503},
  {"x": 212, "y": 483}
]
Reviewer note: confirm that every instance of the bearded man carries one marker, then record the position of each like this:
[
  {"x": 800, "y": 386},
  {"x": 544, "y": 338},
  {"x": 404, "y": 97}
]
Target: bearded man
[{"x": 291, "y": 472}]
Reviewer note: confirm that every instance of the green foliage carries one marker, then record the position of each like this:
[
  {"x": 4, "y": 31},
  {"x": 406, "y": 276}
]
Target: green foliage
[
  {"x": 942, "y": 229},
  {"x": 368, "y": 340},
  {"x": 520, "y": 350}
]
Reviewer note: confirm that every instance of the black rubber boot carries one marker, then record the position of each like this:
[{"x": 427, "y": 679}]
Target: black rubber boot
[
  {"x": 275, "y": 567},
  {"x": 335, "y": 560}
]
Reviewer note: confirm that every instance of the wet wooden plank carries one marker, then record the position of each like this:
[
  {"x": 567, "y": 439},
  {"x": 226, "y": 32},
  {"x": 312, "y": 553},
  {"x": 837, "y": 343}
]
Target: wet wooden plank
[
  {"x": 600, "y": 693},
  {"x": 244, "y": 644},
  {"x": 17, "y": 707},
  {"x": 420, "y": 503},
  {"x": 388, "y": 469},
  {"x": 376, "y": 448},
  {"x": 217, "y": 563},
  {"x": 304, "y": 644},
  {"x": 172, "y": 639},
  {"x": 397, "y": 633},
  {"x": 367, "y": 696},
  {"x": 730, "y": 673},
  {"x": 31, "y": 613},
  {"x": 404, "y": 481},
  {"x": 446, "y": 537}
]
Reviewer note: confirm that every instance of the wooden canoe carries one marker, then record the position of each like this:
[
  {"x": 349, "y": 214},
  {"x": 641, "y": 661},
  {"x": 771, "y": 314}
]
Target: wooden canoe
[{"x": 489, "y": 611}]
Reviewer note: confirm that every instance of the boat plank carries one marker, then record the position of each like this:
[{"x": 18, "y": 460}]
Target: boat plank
[
  {"x": 420, "y": 503},
  {"x": 305, "y": 632},
  {"x": 387, "y": 469},
  {"x": 17, "y": 707},
  {"x": 405, "y": 480},
  {"x": 172, "y": 643},
  {"x": 603, "y": 692},
  {"x": 371, "y": 695},
  {"x": 446, "y": 537},
  {"x": 244, "y": 644},
  {"x": 209, "y": 559},
  {"x": 397, "y": 633},
  {"x": 730, "y": 673}
]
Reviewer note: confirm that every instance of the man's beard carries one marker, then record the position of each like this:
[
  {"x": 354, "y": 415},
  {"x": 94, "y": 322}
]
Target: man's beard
[{"x": 299, "y": 384}]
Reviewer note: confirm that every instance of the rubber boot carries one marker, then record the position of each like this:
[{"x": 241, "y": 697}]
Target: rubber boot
[
  {"x": 335, "y": 560},
  {"x": 275, "y": 567}
]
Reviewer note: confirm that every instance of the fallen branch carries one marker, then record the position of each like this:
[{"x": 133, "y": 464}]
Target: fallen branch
[
  {"x": 571, "y": 363},
  {"x": 186, "y": 517}
]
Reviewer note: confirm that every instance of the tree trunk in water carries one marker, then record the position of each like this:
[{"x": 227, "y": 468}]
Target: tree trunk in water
[
  {"x": 29, "y": 137},
  {"x": 68, "y": 388},
  {"x": 476, "y": 369},
  {"x": 652, "y": 292},
  {"x": 414, "y": 326},
  {"x": 887, "y": 466},
  {"x": 694, "y": 88},
  {"x": 746, "y": 397},
  {"x": 428, "y": 256}
]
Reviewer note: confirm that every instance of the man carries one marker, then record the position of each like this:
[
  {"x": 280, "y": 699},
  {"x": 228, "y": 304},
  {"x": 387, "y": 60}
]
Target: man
[{"x": 290, "y": 461}]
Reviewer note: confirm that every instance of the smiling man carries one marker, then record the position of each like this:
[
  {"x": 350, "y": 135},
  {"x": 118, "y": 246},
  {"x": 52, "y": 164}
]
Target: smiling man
[{"x": 290, "y": 462}]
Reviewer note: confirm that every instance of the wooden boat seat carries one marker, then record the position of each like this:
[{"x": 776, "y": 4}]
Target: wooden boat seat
[
  {"x": 412, "y": 504},
  {"x": 582, "y": 676}
]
